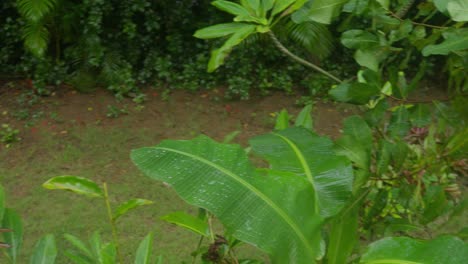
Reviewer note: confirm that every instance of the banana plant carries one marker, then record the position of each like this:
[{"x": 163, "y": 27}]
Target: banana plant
[
  {"x": 284, "y": 209},
  {"x": 260, "y": 16}
]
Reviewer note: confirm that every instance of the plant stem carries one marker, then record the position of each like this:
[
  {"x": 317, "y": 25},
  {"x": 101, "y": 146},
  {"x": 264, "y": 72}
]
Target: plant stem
[
  {"x": 198, "y": 248},
  {"x": 112, "y": 223},
  {"x": 283, "y": 49}
]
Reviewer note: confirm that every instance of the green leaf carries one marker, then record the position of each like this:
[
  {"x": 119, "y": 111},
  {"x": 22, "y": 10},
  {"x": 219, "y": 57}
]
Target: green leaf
[
  {"x": 143, "y": 254},
  {"x": 77, "y": 258},
  {"x": 45, "y": 251},
  {"x": 376, "y": 115},
  {"x": 231, "y": 8},
  {"x": 282, "y": 121},
  {"x": 129, "y": 205},
  {"x": 75, "y": 184},
  {"x": 36, "y": 38},
  {"x": 359, "y": 39},
  {"x": 302, "y": 152},
  {"x": 441, "y": 250},
  {"x": 322, "y": 11},
  {"x": 399, "y": 122},
  {"x": 108, "y": 254},
  {"x": 455, "y": 40},
  {"x": 350, "y": 148},
  {"x": 75, "y": 241},
  {"x": 189, "y": 222},
  {"x": 219, "y": 30},
  {"x": 356, "y": 127},
  {"x": 267, "y": 5},
  {"x": 441, "y": 5},
  {"x": 354, "y": 93},
  {"x": 343, "y": 234},
  {"x": 255, "y": 209},
  {"x": 11, "y": 220},
  {"x": 304, "y": 119},
  {"x": 218, "y": 55},
  {"x": 281, "y": 5},
  {"x": 383, "y": 157},
  {"x": 35, "y": 10},
  {"x": 458, "y": 10},
  {"x": 367, "y": 58}
]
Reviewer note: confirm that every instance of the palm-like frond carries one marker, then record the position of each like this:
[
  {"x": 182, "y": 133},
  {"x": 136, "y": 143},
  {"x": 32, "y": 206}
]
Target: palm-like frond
[
  {"x": 35, "y": 10},
  {"x": 311, "y": 36},
  {"x": 36, "y": 38}
]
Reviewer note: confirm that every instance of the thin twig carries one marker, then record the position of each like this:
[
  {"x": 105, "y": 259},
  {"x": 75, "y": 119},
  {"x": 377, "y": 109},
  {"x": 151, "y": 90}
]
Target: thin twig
[
  {"x": 283, "y": 49},
  {"x": 413, "y": 22}
]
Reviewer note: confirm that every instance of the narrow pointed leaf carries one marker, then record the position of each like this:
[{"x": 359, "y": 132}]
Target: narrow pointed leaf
[
  {"x": 143, "y": 254},
  {"x": 45, "y": 251},
  {"x": 12, "y": 220},
  {"x": 108, "y": 254},
  {"x": 75, "y": 184},
  {"x": 75, "y": 241},
  {"x": 441, "y": 250},
  {"x": 77, "y": 258},
  {"x": 255, "y": 209},
  {"x": 219, "y": 30},
  {"x": 280, "y": 6},
  {"x": 302, "y": 152},
  {"x": 304, "y": 119},
  {"x": 129, "y": 205},
  {"x": 218, "y": 55},
  {"x": 282, "y": 121},
  {"x": 189, "y": 222},
  {"x": 399, "y": 122},
  {"x": 231, "y": 7}
]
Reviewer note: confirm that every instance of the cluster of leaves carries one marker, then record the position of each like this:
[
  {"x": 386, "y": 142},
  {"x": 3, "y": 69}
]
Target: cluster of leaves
[
  {"x": 45, "y": 251},
  {"x": 316, "y": 195},
  {"x": 8, "y": 134}
]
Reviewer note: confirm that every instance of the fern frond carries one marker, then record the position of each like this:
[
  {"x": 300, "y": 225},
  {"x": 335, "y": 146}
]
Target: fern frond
[
  {"x": 313, "y": 37},
  {"x": 36, "y": 38},
  {"x": 35, "y": 10}
]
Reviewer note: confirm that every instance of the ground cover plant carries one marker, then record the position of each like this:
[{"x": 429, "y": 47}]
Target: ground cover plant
[{"x": 382, "y": 191}]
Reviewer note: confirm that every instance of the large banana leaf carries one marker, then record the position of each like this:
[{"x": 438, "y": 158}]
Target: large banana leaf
[
  {"x": 267, "y": 208},
  {"x": 302, "y": 152}
]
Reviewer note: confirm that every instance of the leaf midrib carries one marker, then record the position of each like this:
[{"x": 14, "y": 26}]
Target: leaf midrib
[{"x": 254, "y": 190}]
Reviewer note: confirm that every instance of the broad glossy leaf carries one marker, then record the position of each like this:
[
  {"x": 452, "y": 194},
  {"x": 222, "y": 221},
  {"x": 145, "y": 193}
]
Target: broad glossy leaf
[
  {"x": 219, "y": 30},
  {"x": 304, "y": 119},
  {"x": 45, "y": 251},
  {"x": 322, "y": 11},
  {"x": 354, "y": 93},
  {"x": 282, "y": 121},
  {"x": 218, "y": 55},
  {"x": 255, "y": 209},
  {"x": 231, "y": 7},
  {"x": 302, "y": 152},
  {"x": 456, "y": 40},
  {"x": 189, "y": 222},
  {"x": 376, "y": 115},
  {"x": 12, "y": 220},
  {"x": 359, "y": 39},
  {"x": 441, "y": 250},
  {"x": 129, "y": 205},
  {"x": 75, "y": 184},
  {"x": 143, "y": 254},
  {"x": 356, "y": 6},
  {"x": 458, "y": 10},
  {"x": 77, "y": 258}
]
